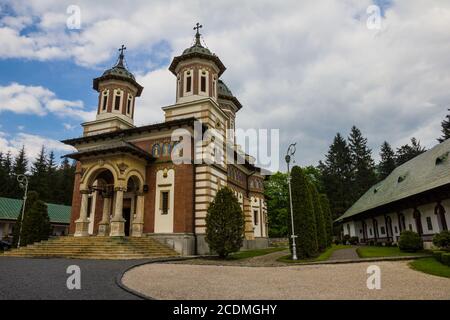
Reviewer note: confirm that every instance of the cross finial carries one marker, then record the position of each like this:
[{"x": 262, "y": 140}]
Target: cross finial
[
  {"x": 197, "y": 34},
  {"x": 121, "y": 56}
]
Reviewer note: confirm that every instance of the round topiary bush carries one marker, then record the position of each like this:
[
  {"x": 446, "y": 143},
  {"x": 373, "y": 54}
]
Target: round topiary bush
[
  {"x": 410, "y": 241},
  {"x": 442, "y": 240}
]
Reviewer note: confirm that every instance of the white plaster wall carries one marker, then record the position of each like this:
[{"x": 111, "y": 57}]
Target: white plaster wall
[{"x": 164, "y": 222}]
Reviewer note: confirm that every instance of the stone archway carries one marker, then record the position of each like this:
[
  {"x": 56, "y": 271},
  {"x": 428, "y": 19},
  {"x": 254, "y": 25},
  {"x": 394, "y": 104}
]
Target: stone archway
[{"x": 98, "y": 183}]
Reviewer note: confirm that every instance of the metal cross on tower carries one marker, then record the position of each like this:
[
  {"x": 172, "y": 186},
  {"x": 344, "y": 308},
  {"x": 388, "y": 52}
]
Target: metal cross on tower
[
  {"x": 197, "y": 27},
  {"x": 122, "y": 49}
]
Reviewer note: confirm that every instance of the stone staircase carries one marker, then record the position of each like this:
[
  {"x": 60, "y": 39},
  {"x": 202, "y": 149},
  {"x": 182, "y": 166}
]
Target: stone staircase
[{"x": 95, "y": 248}]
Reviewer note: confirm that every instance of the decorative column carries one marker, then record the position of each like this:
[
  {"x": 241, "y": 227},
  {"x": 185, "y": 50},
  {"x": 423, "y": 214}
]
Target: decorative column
[
  {"x": 103, "y": 226},
  {"x": 118, "y": 222},
  {"x": 82, "y": 224},
  {"x": 249, "y": 231},
  {"x": 138, "y": 222}
]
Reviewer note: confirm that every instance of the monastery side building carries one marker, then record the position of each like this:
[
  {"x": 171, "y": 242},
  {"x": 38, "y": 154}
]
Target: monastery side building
[
  {"x": 127, "y": 182},
  {"x": 415, "y": 196}
]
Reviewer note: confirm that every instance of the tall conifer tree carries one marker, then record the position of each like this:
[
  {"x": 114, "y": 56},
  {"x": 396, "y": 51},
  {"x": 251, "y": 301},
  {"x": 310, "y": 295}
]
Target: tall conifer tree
[
  {"x": 387, "y": 162},
  {"x": 445, "y": 128},
  {"x": 363, "y": 166}
]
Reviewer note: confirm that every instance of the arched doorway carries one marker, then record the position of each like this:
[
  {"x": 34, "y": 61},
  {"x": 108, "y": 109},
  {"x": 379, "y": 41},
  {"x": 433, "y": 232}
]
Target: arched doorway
[
  {"x": 389, "y": 231},
  {"x": 130, "y": 200},
  {"x": 440, "y": 212},
  {"x": 417, "y": 217}
]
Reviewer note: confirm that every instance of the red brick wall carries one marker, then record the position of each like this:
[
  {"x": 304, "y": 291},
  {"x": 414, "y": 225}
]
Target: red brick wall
[{"x": 76, "y": 199}]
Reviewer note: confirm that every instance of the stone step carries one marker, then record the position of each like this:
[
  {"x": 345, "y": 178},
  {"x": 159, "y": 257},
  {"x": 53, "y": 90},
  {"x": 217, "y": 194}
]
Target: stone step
[{"x": 95, "y": 247}]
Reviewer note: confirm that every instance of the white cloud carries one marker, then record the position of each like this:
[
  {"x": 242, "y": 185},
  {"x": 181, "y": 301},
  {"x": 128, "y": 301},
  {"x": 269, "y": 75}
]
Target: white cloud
[
  {"x": 32, "y": 143},
  {"x": 39, "y": 101},
  {"x": 310, "y": 68}
]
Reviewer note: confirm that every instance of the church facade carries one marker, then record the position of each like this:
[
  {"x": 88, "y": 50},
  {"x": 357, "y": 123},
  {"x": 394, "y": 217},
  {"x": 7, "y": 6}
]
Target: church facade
[{"x": 158, "y": 180}]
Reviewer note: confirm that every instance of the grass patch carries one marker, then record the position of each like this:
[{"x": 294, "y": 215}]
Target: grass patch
[
  {"x": 322, "y": 257},
  {"x": 253, "y": 253},
  {"x": 431, "y": 266},
  {"x": 377, "y": 252}
]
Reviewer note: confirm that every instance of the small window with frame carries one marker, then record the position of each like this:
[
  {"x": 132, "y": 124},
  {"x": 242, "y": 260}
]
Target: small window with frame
[
  {"x": 117, "y": 99},
  {"x": 429, "y": 224},
  {"x": 105, "y": 100},
  {"x": 129, "y": 104},
  {"x": 255, "y": 217},
  {"x": 164, "y": 206}
]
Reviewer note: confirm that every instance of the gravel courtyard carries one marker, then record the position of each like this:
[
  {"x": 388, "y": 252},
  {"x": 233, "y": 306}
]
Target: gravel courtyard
[{"x": 337, "y": 281}]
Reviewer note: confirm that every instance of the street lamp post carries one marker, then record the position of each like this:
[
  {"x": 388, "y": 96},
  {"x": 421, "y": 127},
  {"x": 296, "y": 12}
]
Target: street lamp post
[
  {"x": 23, "y": 183},
  {"x": 290, "y": 153}
]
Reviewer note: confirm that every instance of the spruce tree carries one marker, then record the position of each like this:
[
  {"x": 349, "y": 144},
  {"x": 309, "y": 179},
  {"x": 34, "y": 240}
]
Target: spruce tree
[
  {"x": 337, "y": 176},
  {"x": 325, "y": 205},
  {"x": 32, "y": 197},
  {"x": 51, "y": 179},
  {"x": 319, "y": 218},
  {"x": 363, "y": 166},
  {"x": 65, "y": 180},
  {"x": 36, "y": 224},
  {"x": 225, "y": 223},
  {"x": 387, "y": 162},
  {"x": 6, "y": 187},
  {"x": 39, "y": 175},
  {"x": 303, "y": 210},
  {"x": 407, "y": 152},
  {"x": 445, "y": 128},
  {"x": 20, "y": 167}
]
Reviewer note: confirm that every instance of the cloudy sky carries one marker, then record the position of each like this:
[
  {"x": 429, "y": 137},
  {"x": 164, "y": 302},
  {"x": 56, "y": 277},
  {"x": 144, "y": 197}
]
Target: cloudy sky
[{"x": 308, "y": 68}]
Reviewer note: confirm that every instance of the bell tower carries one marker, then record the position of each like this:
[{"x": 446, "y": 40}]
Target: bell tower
[
  {"x": 117, "y": 89},
  {"x": 197, "y": 71}
]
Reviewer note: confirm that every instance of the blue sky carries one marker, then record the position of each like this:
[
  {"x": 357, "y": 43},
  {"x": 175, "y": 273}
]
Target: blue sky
[{"x": 309, "y": 68}]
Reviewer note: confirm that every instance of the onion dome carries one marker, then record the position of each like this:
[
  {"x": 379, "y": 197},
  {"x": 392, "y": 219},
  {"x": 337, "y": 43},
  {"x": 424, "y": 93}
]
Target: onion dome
[
  {"x": 119, "y": 72},
  {"x": 197, "y": 51},
  {"x": 225, "y": 93}
]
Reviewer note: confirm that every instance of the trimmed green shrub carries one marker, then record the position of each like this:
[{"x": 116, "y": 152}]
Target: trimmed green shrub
[
  {"x": 410, "y": 241},
  {"x": 442, "y": 240},
  {"x": 445, "y": 259},
  {"x": 321, "y": 230},
  {"x": 371, "y": 243},
  {"x": 225, "y": 224},
  {"x": 438, "y": 255},
  {"x": 325, "y": 205},
  {"x": 304, "y": 220},
  {"x": 353, "y": 240}
]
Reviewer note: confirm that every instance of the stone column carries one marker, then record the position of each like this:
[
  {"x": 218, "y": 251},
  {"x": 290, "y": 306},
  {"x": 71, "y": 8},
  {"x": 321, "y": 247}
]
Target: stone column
[
  {"x": 118, "y": 222},
  {"x": 82, "y": 224},
  {"x": 138, "y": 223},
  {"x": 249, "y": 231},
  {"x": 103, "y": 226}
]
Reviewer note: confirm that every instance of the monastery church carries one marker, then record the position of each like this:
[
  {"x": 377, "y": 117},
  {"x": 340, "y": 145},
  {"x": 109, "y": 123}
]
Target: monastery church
[{"x": 127, "y": 183}]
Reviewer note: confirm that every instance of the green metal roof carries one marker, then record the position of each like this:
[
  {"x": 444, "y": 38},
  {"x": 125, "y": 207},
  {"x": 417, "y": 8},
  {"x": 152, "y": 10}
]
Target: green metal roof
[
  {"x": 427, "y": 171},
  {"x": 10, "y": 210}
]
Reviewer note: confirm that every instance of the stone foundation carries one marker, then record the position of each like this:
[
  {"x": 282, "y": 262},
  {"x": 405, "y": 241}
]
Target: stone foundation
[{"x": 183, "y": 243}]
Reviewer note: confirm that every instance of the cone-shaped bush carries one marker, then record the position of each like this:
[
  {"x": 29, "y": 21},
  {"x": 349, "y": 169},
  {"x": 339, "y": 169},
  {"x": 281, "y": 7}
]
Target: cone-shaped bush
[
  {"x": 225, "y": 224},
  {"x": 36, "y": 224},
  {"x": 325, "y": 205},
  {"x": 304, "y": 222},
  {"x": 319, "y": 218},
  {"x": 32, "y": 197}
]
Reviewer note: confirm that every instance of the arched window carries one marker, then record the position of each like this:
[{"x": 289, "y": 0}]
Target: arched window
[
  {"x": 166, "y": 149},
  {"x": 104, "y": 102},
  {"x": 156, "y": 150}
]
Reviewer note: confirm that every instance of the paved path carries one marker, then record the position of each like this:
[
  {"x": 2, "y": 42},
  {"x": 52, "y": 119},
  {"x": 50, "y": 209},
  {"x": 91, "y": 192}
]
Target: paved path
[
  {"x": 344, "y": 254},
  {"x": 331, "y": 281},
  {"x": 25, "y": 278}
]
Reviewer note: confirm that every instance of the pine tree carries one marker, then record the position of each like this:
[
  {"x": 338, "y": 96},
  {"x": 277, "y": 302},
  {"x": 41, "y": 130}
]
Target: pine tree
[
  {"x": 445, "y": 128},
  {"x": 20, "y": 167},
  {"x": 6, "y": 186},
  {"x": 304, "y": 221},
  {"x": 32, "y": 197},
  {"x": 36, "y": 223},
  {"x": 51, "y": 178},
  {"x": 363, "y": 166},
  {"x": 225, "y": 223},
  {"x": 407, "y": 152},
  {"x": 337, "y": 176},
  {"x": 65, "y": 180},
  {"x": 39, "y": 175},
  {"x": 319, "y": 218},
  {"x": 325, "y": 205},
  {"x": 387, "y": 162}
]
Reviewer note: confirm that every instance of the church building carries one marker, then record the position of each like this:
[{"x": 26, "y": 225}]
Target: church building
[{"x": 127, "y": 182}]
